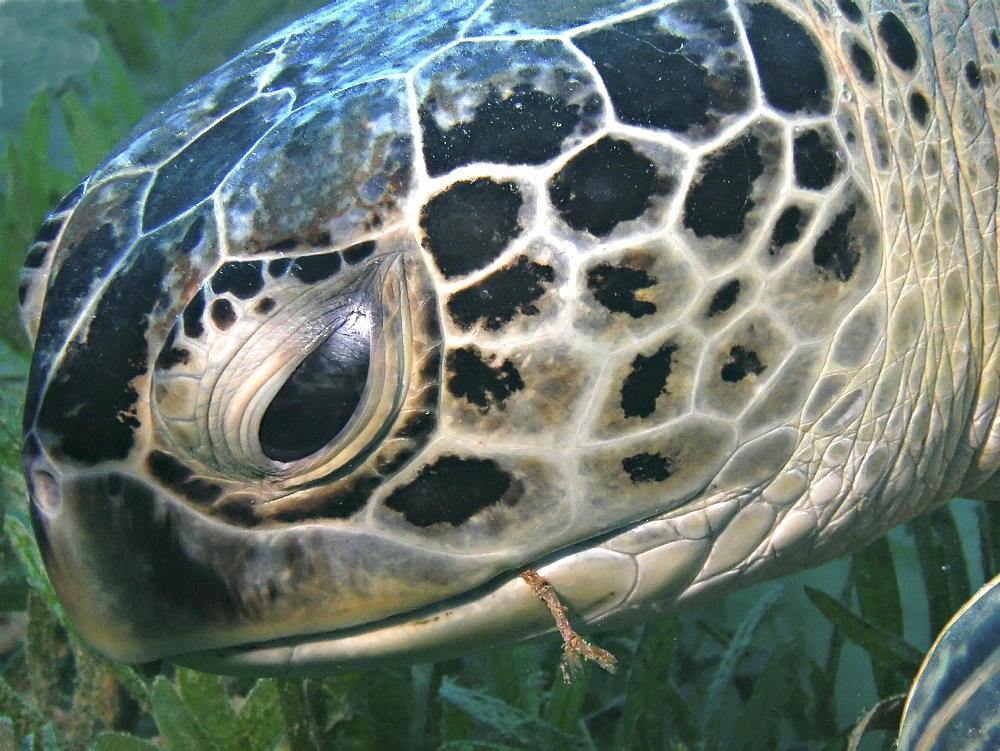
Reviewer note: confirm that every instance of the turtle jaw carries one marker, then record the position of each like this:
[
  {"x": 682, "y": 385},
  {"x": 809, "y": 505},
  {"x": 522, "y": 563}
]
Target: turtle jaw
[
  {"x": 123, "y": 600},
  {"x": 501, "y": 613},
  {"x": 143, "y": 576}
]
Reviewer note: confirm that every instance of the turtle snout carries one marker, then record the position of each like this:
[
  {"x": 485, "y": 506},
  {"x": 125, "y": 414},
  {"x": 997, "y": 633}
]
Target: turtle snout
[{"x": 115, "y": 553}]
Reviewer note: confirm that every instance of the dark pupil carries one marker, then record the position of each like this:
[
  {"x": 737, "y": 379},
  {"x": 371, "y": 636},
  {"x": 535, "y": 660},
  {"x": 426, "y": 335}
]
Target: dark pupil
[{"x": 319, "y": 398}]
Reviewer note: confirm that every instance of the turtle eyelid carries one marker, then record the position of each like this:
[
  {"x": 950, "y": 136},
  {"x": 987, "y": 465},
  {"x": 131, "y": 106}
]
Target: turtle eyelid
[{"x": 321, "y": 395}]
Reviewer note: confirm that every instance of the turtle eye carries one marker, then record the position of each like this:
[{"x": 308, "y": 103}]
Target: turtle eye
[
  {"x": 322, "y": 394},
  {"x": 291, "y": 380}
]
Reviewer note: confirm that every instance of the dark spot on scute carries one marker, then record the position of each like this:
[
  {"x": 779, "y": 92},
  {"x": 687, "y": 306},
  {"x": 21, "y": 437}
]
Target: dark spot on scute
[
  {"x": 37, "y": 255},
  {"x": 278, "y": 267},
  {"x": 787, "y": 229},
  {"x": 390, "y": 465},
  {"x": 323, "y": 240},
  {"x": 850, "y": 10},
  {"x": 166, "y": 468},
  {"x": 995, "y": 39},
  {"x": 223, "y": 314},
  {"x": 863, "y": 64},
  {"x": 88, "y": 412},
  {"x": 236, "y": 509},
  {"x": 193, "y": 326},
  {"x": 49, "y": 230},
  {"x": 878, "y": 139},
  {"x": 469, "y": 225},
  {"x": 724, "y": 298},
  {"x": 176, "y": 477},
  {"x": 503, "y": 295},
  {"x": 527, "y": 126},
  {"x": 646, "y": 382},
  {"x": 430, "y": 370},
  {"x": 242, "y": 279},
  {"x": 606, "y": 184},
  {"x": 432, "y": 323},
  {"x": 718, "y": 202},
  {"x": 789, "y": 62},
  {"x": 200, "y": 491},
  {"x": 919, "y": 107},
  {"x": 657, "y": 79},
  {"x": 358, "y": 253},
  {"x": 452, "y": 490},
  {"x": 646, "y": 468},
  {"x": 418, "y": 426},
  {"x": 431, "y": 394},
  {"x": 265, "y": 306},
  {"x": 899, "y": 44},
  {"x": 22, "y": 291},
  {"x": 483, "y": 384},
  {"x": 615, "y": 288},
  {"x": 340, "y": 504},
  {"x": 345, "y": 503},
  {"x": 836, "y": 251},
  {"x": 170, "y": 355},
  {"x": 815, "y": 158},
  {"x": 312, "y": 269},
  {"x": 196, "y": 171},
  {"x": 742, "y": 362},
  {"x": 972, "y": 74}
]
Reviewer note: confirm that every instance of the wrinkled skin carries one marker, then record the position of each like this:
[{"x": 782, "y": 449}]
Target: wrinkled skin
[{"x": 367, "y": 321}]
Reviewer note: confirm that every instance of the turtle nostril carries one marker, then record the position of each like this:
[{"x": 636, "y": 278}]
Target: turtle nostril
[{"x": 44, "y": 491}]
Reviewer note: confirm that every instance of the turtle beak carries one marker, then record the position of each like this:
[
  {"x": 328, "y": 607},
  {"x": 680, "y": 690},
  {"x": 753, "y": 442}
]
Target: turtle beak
[
  {"x": 143, "y": 576},
  {"x": 114, "y": 554}
]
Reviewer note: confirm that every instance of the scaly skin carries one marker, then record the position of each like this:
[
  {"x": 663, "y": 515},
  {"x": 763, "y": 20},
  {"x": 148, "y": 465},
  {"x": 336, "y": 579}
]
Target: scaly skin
[{"x": 657, "y": 351}]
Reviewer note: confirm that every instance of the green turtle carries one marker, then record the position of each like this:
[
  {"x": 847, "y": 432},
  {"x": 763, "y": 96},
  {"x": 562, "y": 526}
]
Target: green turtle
[{"x": 658, "y": 299}]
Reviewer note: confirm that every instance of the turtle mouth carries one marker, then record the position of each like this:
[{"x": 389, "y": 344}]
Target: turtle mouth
[
  {"x": 143, "y": 576},
  {"x": 501, "y": 612},
  {"x": 450, "y": 628}
]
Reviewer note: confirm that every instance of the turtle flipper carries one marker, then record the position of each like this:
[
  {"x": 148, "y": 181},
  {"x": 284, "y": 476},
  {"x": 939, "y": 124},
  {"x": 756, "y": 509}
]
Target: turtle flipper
[{"x": 955, "y": 700}]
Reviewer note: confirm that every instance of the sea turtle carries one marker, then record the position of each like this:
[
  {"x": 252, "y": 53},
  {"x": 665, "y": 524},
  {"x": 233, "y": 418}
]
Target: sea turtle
[{"x": 659, "y": 299}]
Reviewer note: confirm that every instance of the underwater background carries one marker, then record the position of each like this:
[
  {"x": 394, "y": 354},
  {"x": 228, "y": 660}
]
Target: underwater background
[{"x": 790, "y": 664}]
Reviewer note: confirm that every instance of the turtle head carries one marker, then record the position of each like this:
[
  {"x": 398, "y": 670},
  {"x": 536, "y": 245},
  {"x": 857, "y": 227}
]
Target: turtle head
[
  {"x": 167, "y": 464},
  {"x": 233, "y": 427},
  {"x": 224, "y": 375},
  {"x": 395, "y": 305}
]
